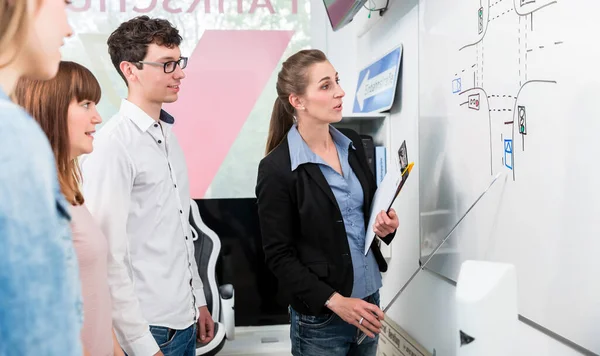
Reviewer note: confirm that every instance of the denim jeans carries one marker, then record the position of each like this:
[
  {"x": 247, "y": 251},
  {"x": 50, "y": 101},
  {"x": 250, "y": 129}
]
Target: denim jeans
[
  {"x": 175, "y": 342},
  {"x": 329, "y": 335}
]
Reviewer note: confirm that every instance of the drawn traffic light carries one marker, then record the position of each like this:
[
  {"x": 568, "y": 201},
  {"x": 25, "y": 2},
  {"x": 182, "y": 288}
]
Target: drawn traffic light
[
  {"x": 480, "y": 16},
  {"x": 522, "y": 120}
]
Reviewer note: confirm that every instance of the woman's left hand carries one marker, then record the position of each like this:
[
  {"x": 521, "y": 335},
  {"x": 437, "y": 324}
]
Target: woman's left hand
[{"x": 385, "y": 224}]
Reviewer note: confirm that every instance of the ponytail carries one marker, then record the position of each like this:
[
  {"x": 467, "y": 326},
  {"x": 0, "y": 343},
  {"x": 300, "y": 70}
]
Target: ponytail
[
  {"x": 292, "y": 79},
  {"x": 281, "y": 123}
]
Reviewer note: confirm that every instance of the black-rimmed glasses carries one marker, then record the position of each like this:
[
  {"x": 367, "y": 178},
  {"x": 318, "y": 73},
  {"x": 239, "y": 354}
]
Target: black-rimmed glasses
[{"x": 169, "y": 67}]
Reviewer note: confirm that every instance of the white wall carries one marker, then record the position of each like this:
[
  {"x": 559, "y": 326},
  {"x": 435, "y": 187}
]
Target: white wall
[{"x": 426, "y": 309}]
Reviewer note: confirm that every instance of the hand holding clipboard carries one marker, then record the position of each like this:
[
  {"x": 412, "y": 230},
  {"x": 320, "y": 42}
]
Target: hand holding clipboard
[{"x": 387, "y": 192}]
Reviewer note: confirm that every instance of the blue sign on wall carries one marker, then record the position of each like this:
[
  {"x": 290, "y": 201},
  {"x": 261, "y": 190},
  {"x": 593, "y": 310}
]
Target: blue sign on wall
[
  {"x": 377, "y": 84},
  {"x": 508, "y": 153}
]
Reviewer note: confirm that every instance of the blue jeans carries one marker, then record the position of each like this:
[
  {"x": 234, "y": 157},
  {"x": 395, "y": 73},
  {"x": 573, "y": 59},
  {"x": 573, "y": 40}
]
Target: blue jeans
[
  {"x": 175, "y": 342},
  {"x": 329, "y": 335}
]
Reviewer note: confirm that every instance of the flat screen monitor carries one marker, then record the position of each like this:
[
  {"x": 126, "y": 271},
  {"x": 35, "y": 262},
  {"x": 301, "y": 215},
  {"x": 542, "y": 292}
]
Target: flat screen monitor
[{"x": 341, "y": 12}]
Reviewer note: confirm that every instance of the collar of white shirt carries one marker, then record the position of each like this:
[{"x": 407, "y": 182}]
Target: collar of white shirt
[{"x": 139, "y": 116}]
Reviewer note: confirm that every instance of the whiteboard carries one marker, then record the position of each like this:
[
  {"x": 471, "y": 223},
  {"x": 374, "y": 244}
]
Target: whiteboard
[{"x": 513, "y": 86}]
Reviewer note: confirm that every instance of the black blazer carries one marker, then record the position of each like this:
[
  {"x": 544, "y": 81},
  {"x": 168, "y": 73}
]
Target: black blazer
[{"x": 303, "y": 234}]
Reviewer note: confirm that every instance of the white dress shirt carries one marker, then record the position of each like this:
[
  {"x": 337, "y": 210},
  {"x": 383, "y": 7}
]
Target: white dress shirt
[{"x": 136, "y": 186}]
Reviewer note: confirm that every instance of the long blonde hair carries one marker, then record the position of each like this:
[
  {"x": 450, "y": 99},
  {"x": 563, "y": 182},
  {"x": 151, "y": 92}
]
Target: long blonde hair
[
  {"x": 47, "y": 101},
  {"x": 14, "y": 20}
]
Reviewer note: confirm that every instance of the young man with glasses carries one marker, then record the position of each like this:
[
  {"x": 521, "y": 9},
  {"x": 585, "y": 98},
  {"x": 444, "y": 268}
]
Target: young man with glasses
[{"x": 135, "y": 184}]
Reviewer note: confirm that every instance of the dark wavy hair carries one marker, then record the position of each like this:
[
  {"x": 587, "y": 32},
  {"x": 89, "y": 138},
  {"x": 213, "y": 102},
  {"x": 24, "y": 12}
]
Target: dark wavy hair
[{"x": 129, "y": 42}]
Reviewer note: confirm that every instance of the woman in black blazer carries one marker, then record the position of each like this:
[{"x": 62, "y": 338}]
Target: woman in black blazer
[{"x": 314, "y": 194}]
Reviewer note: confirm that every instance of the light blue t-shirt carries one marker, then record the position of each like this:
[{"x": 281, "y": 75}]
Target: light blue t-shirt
[{"x": 40, "y": 293}]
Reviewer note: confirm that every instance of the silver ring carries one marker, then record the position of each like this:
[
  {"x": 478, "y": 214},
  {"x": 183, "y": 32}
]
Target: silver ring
[{"x": 360, "y": 321}]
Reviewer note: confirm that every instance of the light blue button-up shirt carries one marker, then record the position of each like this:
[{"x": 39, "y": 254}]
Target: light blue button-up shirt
[
  {"x": 349, "y": 196},
  {"x": 40, "y": 292}
]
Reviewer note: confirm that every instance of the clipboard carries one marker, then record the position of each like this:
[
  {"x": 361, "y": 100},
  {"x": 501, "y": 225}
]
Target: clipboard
[{"x": 388, "y": 191}]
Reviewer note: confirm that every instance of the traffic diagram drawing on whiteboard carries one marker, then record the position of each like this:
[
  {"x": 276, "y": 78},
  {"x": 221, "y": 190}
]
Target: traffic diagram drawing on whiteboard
[
  {"x": 511, "y": 87},
  {"x": 505, "y": 45}
]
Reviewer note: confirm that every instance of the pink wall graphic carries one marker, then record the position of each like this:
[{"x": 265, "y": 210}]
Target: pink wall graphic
[{"x": 226, "y": 74}]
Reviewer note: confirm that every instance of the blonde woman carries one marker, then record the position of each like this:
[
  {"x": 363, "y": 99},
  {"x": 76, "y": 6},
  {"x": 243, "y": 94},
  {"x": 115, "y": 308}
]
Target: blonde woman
[{"x": 40, "y": 297}]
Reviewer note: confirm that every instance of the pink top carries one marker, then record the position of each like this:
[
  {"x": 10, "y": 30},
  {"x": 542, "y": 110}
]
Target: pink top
[{"x": 91, "y": 247}]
